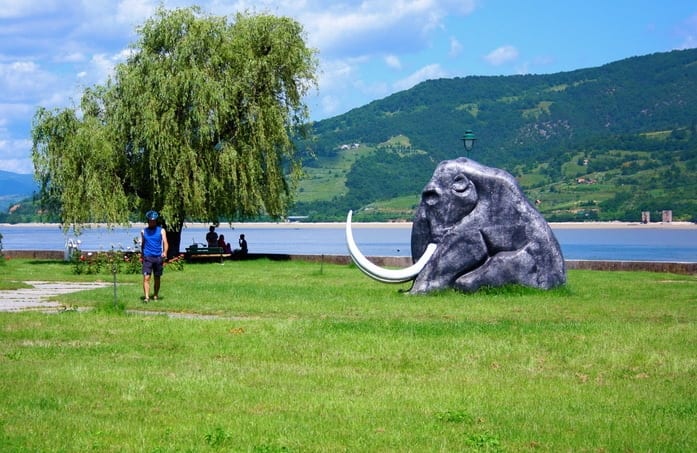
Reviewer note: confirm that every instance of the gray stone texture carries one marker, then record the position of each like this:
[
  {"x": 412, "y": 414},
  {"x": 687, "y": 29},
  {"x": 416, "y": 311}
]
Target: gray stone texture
[{"x": 488, "y": 233}]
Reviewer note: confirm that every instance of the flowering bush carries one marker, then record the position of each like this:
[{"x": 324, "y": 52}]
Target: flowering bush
[
  {"x": 112, "y": 262},
  {"x": 176, "y": 263},
  {"x": 115, "y": 262},
  {"x": 132, "y": 263}
]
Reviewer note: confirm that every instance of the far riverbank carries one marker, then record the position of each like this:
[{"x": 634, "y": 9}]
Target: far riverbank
[{"x": 321, "y": 225}]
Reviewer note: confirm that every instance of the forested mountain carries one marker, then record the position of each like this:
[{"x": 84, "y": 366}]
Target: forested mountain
[
  {"x": 15, "y": 187},
  {"x": 602, "y": 143},
  {"x": 599, "y": 143}
]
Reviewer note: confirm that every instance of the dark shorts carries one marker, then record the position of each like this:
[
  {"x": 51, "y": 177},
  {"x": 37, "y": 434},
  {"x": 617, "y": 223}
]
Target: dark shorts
[{"x": 152, "y": 265}]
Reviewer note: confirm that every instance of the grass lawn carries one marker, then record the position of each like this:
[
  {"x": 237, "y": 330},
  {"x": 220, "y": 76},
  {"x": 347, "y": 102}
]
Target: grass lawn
[{"x": 295, "y": 356}]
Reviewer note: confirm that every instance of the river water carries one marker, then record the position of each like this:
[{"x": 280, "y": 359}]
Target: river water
[{"x": 634, "y": 243}]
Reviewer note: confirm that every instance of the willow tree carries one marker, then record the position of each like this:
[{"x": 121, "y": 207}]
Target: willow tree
[
  {"x": 79, "y": 168},
  {"x": 197, "y": 121}
]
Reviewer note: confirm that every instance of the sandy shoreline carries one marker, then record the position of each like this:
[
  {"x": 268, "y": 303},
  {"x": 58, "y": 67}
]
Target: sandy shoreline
[
  {"x": 300, "y": 225},
  {"x": 623, "y": 225}
]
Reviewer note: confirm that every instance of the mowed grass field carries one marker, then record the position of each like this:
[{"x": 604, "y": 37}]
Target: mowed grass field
[{"x": 265, "y": 356}]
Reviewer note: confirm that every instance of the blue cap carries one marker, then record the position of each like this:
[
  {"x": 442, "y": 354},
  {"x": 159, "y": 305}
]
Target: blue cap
[{"x": 151, "y": 215}]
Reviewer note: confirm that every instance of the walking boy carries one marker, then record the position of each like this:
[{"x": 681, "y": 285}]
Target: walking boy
[{"x": 153, "y": 246}]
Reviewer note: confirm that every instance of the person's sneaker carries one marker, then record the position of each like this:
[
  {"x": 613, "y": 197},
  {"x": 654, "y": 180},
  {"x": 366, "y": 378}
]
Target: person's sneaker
[{"x": 145, "y": 300}]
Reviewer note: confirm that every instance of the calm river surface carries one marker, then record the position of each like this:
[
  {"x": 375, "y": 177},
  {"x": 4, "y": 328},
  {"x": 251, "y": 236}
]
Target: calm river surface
[{"x": 633, "y": 242}]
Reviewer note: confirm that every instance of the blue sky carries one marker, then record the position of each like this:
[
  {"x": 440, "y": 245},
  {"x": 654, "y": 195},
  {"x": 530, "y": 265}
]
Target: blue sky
[{"x": 50, "y": 50}]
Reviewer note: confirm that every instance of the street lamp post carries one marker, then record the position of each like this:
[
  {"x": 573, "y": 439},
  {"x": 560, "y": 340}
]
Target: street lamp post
[{"x": 468, "y": 140}]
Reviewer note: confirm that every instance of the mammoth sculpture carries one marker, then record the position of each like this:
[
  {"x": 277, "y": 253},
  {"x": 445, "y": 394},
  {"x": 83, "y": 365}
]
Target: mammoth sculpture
[{"x": 473, "y": 228}]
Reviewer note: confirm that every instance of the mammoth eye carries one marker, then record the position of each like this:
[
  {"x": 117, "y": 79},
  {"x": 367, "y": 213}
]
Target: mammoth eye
[{"x": 460, "y": 184}]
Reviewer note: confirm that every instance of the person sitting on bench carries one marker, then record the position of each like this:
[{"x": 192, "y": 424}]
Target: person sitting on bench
[
  {"x": 242, "y": 251},
  {"x": 212, "y": 237},
  {"x": 224, "y": 245}
]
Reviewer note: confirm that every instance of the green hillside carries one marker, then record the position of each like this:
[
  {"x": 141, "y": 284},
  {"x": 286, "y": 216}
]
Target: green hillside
[
  {"x": 602, "y": 143},
  {"x": 15, "y": 187}
]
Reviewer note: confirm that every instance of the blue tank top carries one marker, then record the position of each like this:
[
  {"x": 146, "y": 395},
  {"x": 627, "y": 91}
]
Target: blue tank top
[{"x": 152, "y": 241}]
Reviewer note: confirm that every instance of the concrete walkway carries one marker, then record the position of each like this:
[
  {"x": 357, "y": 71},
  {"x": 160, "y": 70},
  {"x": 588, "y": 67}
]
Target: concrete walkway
[{"x": 37, "y": 297}]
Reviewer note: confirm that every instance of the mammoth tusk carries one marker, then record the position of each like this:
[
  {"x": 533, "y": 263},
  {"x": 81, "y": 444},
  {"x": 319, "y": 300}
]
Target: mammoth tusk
[{"x": 379, "y": 273}]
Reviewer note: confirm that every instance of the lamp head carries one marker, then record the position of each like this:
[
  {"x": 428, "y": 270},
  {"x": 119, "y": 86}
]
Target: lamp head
[{"x": 468, "y": 140}]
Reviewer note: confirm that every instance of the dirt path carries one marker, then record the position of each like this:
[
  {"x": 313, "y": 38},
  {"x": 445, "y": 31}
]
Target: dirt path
[{"x": 37, "y": 297}]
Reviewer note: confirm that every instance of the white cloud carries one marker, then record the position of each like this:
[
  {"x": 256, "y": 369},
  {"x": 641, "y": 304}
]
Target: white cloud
[
  {"x": 22, "y": 166},
  {"x": 72, "y": 57},
  {"x": 14, "y": 156},
  {"x": 342, "y": 86},
  {"x": 689, "y": 42},
  {"x": 393, "y": 62},
  {"x": 19, "y": 8},
  {"x": 688, "y": 33},
  {"x": 329, "y": 104},
  {"x": 21, "y": 80},
  {"x": 134, "y": 11},
  {"x": 502, "y": 55},
  {"x": 377, "y": 27},
  {"x": 102, "y": 66},
  {"x": 369, "y": 91},
  {"x": 433, "y": 71},
  {"x": 523, "y": 68},
  {"x": 335, "y": 74},
  {"x": 10, "y": 110},
  {"x": 455, "y": 47}
]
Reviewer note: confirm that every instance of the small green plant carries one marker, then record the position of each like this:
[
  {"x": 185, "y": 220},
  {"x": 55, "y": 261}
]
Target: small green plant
[
  {"x": 270, "y": 449},
  {"x": 14, "y": 355},
  {"x": 484, "y": 442},
  {"x": 217, "y": 438},
  {"x": 454, "y": 417}
]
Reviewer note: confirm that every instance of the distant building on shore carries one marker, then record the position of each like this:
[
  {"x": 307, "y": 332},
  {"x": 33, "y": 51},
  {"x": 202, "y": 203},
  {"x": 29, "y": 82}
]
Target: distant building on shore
[{"x": 666, "y": 216}]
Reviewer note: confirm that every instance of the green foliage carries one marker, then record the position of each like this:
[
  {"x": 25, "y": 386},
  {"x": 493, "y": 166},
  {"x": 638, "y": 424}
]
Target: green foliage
[
  {"x": 111, "y": 262},
  {"x": 28, "y": 211},
  {"x": 622, "y": 178},
  {"x": 196, "y": 124},
  {"x": 114, "y": 262},
  {"x": 399, "y": 174},
  {"x": 638, "y": 133},
  {"x": 78, "y": 166}
]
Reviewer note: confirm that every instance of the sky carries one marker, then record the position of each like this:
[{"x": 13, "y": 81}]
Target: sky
[{"x": 51, "y": 50}]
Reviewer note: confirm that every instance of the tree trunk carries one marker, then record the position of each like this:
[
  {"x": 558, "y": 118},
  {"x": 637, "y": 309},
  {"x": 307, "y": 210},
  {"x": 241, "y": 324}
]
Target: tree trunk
[{"x": 174, "y": 236}]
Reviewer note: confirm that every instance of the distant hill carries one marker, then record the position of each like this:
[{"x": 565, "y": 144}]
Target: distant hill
[
  {"x": 598, "y": 143},
  {"x": 16, "y": 184},
  {"x": 604, "y": 143},
  {"x": 15, "y": 187}
]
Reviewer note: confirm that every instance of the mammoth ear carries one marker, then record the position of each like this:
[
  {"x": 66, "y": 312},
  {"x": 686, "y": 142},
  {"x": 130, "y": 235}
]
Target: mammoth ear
[{"x": 461, "y": 183}]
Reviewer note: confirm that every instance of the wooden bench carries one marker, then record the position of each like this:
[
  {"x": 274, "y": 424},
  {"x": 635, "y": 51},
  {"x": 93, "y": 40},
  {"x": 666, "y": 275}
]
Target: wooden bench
[{"x": 205, "y": 253}]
